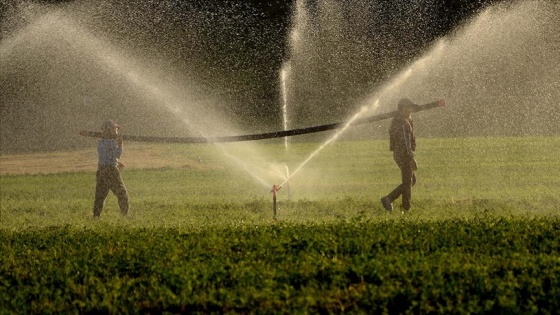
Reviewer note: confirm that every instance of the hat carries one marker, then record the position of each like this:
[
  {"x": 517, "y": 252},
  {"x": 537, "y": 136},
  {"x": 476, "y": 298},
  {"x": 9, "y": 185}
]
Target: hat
[
  {"x": 405, "y": 103},
  {"x": 109, "y": 124}
]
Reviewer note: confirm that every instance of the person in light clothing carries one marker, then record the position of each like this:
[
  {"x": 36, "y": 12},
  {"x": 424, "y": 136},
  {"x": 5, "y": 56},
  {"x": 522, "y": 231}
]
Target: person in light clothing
[{"x": 109, "y": 151}]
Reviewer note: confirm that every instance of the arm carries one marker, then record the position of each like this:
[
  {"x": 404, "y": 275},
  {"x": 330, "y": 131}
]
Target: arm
[
  {"x": 118, "y": 151},
  {"x": 407, "y": 134},
  {"x": 407, "y": 142}
]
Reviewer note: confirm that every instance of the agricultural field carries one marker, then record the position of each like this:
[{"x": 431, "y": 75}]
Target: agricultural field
[{"x": 483, "y": 235}]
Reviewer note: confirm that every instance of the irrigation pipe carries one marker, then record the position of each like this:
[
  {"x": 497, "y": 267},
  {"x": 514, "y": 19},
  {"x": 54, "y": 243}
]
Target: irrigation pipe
[{"x": 262, "y": 136}]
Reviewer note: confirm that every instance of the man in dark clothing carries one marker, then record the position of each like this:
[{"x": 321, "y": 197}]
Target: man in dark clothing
[
  {"x": 403, "y": 145},
  {"x": 109, "y": 150}
]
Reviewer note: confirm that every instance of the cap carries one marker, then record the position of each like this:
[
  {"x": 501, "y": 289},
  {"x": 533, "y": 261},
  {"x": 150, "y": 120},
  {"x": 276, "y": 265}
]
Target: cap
[
  {"x": 109, "y": 124},
  {"x": 406, "y": 103}
]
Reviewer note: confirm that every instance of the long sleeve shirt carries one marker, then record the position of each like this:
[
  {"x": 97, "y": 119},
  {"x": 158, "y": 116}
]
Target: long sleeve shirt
[
  {"x": 402, "y": 139},
  {"x": 108, "y": 152}
]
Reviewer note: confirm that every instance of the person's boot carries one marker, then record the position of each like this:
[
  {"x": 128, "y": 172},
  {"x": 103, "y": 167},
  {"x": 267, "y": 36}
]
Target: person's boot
[{"x": 387, "y": 204}]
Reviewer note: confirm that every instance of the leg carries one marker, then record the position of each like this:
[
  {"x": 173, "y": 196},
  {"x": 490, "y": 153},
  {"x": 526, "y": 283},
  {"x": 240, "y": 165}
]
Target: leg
[
  {"x": 408, "y": 179},
  {"x": 101, "y": 192},
  {"x": 119, "y": 189},
  {"x": 387, "y": 201}
]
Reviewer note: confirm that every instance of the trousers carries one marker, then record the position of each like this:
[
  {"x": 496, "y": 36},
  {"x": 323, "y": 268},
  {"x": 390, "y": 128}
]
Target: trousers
[
  {"x": 109, "y": 178},
  {"x": 408, "y": 179}
]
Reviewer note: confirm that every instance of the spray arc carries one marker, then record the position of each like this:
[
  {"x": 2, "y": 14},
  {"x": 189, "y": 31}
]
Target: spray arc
[
  {"x": 270, "y": 135},
  {"x": 276, "y": 188}
]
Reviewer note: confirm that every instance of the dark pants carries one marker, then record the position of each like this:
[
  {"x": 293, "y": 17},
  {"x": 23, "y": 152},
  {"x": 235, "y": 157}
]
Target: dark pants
[
  {"x": 408, "y": 179},
  {"x": 109, "y": 178}
]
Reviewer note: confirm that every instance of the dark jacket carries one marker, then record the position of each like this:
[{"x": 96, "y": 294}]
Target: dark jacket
[{"x": 402, "y": 140}]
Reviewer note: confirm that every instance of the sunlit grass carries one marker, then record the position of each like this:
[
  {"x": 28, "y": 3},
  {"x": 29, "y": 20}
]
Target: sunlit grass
[{"x": 457, "y": 178}]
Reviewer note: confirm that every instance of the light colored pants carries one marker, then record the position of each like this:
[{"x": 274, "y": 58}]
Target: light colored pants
[{"x": 109, "y": 178}]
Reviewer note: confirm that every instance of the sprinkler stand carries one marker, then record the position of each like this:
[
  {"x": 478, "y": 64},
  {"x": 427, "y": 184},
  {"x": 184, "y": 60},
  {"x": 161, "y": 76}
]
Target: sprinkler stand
[{"x": 274, "y": 191}]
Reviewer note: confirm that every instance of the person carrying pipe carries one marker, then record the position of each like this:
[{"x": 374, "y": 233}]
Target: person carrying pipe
[
  {"x": 109, "y": 150},
  {"x": 403, "y": 144}
]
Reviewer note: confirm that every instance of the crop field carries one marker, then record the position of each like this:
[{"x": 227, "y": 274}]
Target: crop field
[{"x": 483, "y": 235}]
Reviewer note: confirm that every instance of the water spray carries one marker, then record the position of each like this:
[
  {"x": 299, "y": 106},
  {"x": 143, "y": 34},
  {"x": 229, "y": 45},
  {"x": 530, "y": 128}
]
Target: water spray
[
  {"x": 284, "y": 74},
  {"x": 276, "y": 188},
  {"x": 289, "y": 191},
  {"x": 354, "y": 120}
]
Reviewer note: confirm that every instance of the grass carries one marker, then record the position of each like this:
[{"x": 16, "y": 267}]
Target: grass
[
  {"x": 457, "y": 177},
  {"x": 482, "y": 236}
]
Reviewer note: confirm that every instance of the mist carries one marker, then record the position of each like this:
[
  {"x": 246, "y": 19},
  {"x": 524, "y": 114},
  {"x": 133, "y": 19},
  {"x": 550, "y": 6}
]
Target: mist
[{"x": 161, "y": 70}]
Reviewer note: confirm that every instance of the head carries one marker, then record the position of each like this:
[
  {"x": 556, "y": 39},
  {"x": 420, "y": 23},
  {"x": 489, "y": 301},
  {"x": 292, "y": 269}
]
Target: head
[
  {"x": 406, "y": 107},
  {"x": 110, "y": 129}
]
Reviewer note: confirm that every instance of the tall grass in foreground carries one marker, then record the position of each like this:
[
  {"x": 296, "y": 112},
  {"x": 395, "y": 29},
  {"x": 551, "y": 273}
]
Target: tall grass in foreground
[{"x": 481, "y": 265}]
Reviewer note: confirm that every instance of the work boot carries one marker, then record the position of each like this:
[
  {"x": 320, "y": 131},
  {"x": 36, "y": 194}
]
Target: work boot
[{"x": 387, "y": 204}]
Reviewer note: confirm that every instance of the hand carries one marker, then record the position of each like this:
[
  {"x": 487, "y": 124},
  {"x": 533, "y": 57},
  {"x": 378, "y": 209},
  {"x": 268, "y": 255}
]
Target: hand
[
  {"x": 413, "y": 165},
  {"x": 441, "y": 103},
  {"x": 120, "y": 166},
  {"x": 120, "y": 141}
]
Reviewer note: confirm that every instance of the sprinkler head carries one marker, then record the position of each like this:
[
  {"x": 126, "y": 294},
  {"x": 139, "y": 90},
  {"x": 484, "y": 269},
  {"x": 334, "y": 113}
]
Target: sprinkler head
[{"x": 275, "y": 189}]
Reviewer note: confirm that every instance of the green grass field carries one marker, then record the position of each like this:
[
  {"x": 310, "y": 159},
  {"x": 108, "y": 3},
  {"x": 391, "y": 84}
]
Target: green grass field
[{"x": 483, "y": 234}]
